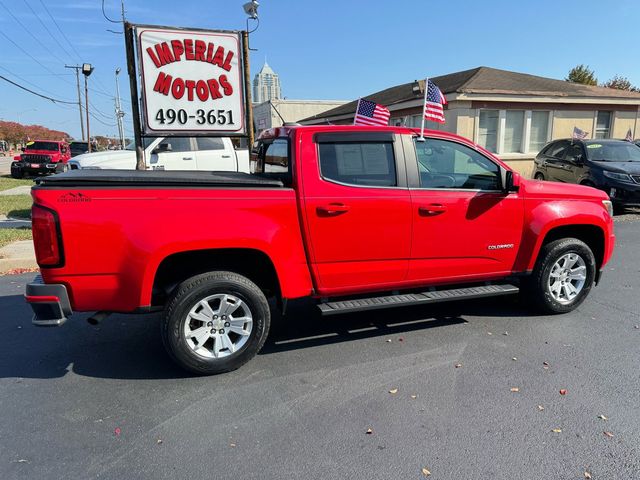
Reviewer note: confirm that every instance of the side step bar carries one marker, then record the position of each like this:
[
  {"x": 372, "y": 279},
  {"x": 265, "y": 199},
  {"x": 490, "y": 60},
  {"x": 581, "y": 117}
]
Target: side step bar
[{"x": 436, "y": 296}]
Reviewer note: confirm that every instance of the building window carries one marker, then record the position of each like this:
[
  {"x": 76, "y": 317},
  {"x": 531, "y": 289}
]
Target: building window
[
  {"x": 603, "y": 125},
  {"x": 513, "y": 130},
  {"x": 488, "y": 130},
  {"x": 539, "y": 131}
]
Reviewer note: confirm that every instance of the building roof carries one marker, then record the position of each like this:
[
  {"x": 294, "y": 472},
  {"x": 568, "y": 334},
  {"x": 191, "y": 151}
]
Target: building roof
[
  {"x": 266, "y": 69},
  {"x": 489, "y": 81}
]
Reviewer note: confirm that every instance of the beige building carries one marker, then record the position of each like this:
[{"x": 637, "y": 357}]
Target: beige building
[
  {"x": 267, "y": 114},
  {"x": 511, "y": 114}
]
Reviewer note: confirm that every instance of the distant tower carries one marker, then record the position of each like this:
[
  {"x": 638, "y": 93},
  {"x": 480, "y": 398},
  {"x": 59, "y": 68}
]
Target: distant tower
[{"x": 266, "y": 85}]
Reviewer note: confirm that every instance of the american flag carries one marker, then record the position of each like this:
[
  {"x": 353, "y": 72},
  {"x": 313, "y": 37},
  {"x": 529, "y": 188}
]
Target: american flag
[
  {"x": 370, "y": 113},
  {"x": 629, "y": 136},
  {"x": 579, "y": 134},
  {"x": 434, "y": 102}
]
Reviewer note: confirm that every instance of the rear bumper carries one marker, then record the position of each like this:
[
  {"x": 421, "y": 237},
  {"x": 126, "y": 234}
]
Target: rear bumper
[{"x": 50, "y": 303}]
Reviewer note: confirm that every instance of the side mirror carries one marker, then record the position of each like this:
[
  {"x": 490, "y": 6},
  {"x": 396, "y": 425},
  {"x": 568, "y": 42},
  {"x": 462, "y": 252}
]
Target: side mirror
[
  {"x": 163, "y": 147},
  {"x": 512, "y": 182}
]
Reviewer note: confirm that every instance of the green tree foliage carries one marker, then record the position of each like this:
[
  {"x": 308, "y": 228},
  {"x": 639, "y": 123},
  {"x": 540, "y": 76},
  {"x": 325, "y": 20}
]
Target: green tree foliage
[
  {"x": 582, "y": 74},
  {"x": 620, "y": 83}
]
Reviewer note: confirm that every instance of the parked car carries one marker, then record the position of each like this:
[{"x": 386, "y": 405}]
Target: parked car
[
  {"x": 358, "y": 218},
  {"x": 610, "y": 165},
  {"x": 171, "y": 153},
  {"x": 41, "y": 157},
  {"x": 78, "y": 148}
]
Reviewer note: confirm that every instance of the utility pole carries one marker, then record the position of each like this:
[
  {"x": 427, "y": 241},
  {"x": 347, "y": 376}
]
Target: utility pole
[
  {"x": 87, "y": 69},
  {"x": 77, "y": 68},
  {"x": 119, "y": 112}
]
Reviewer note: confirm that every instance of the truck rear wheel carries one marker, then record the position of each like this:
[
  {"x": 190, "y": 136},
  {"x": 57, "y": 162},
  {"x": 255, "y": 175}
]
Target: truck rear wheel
[
  {"x": 215, "y": 322},
  {"x": 563, "y": 276}
]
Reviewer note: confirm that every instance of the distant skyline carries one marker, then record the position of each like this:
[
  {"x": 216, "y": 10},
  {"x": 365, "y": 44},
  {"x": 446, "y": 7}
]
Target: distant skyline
[{"x": 321, "y": 50}]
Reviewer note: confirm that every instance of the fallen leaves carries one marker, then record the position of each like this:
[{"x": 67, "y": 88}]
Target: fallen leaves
[
  {"x": 18, "y": 271},
  {"x": 117, "y": 431},
  {"x": 557, "y": 430},
  {"x": 425, "y": 472},
  {"x": 393, "y": 391},
  {"x": 515, "y": 359},
  {"x": 232, "y": 445},
  {"x": 563, "y": 391},
  {"x": 369, "y": 431},
  {"x": 414, "y": 396},
  {"x": 458, "y": 365},
  {"x": 159, "y": 441},
  {"x": 540, "y": 407},
  {"x": 602, "y": 417},
  {"x": 515, "y": 389},
  {"x": 608, "y": 434},
  {"x": 587, "y": 475},
  {"x": 545, "y": 365}
]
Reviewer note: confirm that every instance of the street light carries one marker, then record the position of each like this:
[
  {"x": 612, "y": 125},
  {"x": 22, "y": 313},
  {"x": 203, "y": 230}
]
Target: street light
[
  {"x": 119, "y": 112},
  {"x": 87, "y": 70},
  {"x": 251, "y": 9}
]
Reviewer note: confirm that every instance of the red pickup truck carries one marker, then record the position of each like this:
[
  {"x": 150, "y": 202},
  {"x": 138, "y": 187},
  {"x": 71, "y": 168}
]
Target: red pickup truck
[
  {"x": 41, "y": 157},
  {"x": 357, "y": 217}
]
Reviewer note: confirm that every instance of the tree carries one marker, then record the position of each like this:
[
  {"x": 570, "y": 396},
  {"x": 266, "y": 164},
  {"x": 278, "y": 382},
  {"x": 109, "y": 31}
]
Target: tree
[
  {"x": 582, "y": 74},
  {"x": 620, "y": 83}
]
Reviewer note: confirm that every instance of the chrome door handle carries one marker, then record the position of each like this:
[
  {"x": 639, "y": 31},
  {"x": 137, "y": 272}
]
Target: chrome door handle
[
  {"x": 187, "y": 158},
  {"x": 226, "y": 156}
]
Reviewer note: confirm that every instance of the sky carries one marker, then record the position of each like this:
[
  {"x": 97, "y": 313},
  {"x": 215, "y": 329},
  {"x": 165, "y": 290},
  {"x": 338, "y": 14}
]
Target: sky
[{"x": 323, "y": 49}]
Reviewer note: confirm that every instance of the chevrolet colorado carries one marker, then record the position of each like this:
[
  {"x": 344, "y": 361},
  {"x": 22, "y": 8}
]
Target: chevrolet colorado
[{"x": 357, "y": 217}]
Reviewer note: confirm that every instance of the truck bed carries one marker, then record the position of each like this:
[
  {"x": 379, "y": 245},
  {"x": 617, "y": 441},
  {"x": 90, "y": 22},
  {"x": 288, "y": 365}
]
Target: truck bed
[{"x": 157, "y": 178}]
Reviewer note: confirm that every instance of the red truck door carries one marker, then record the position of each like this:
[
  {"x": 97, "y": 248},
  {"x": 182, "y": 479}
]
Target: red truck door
[
  {"x": 358, "y": 210},
  {"x": 464, "y": 225}
]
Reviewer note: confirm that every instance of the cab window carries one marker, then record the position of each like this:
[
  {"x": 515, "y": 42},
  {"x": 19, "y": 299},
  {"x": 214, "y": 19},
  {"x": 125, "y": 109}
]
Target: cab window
[
  {"x": 370, "y": 164},
  {"x": 446, "y": 164}
]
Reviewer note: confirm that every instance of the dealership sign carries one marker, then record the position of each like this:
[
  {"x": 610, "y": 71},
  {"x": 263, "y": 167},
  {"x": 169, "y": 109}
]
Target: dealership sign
[{"x": 192, "y": 82}]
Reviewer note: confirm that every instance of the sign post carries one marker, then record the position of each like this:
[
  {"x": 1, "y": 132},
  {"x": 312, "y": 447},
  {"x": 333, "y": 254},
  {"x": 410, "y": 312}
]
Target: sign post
[{"x": 193, "y": 82}]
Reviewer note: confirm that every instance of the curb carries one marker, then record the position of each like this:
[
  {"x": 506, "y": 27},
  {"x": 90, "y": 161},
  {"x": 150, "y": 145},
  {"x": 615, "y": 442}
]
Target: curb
[{"x": 7, "y": 264}]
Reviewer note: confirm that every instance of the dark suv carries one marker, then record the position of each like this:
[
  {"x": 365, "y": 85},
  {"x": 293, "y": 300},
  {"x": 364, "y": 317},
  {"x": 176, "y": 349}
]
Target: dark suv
[{"x": 610, "y": 165}]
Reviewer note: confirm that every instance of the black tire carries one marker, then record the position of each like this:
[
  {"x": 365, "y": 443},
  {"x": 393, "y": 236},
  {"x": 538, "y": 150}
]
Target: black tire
[
  {"x": 187, "y": 296},
  {"x": 536, "y": 288},
  {"x": 539, "y": 176},
  {"x": 17, "y": 173}
]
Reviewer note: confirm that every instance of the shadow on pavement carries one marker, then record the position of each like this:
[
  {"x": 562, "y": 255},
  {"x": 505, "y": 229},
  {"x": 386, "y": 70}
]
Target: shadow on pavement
[{"x": 130, "y": 347}]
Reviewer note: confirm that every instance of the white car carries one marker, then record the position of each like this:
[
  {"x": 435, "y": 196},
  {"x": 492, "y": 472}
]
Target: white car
[{"x": 171, "y": 153}]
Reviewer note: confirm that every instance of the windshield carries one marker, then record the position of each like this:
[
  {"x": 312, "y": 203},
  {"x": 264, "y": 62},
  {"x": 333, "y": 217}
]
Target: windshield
[
  {"x": 49, "y": 146},
  {"x": 612, "y": 152},
  {"x": 146, "y": 141}
]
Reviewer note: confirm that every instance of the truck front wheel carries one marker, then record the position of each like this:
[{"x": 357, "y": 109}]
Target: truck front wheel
[
  {"x": 563, "y": 276},
  {"x": 215, "y": 322}
]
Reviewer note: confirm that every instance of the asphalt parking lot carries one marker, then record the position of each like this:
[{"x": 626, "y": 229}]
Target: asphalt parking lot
[{"x": 86, "y": 402}]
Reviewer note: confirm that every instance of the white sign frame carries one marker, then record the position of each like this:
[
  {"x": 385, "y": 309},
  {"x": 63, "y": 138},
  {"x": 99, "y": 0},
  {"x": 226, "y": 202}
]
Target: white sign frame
[{"x": 197, "y": 91}]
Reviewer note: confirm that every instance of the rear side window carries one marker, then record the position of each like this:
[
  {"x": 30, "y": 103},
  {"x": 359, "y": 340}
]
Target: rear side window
[
  {"x": 210, "y": 143},
  {"x": 370, "y": 164},
  {"x": 557, "y": 149},
  {"x": 270, "y": 156}
]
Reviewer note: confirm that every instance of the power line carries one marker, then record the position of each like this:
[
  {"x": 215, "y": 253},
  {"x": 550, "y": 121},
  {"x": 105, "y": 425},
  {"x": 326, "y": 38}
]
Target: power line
[
  {"x": 30, "y": 83},
  {"x": 47, "y": 29},
  {"x": 27, "y": 53},
  {"x": 54, "y": 100},
  {"x": 60, "y": 30},
  {"x": 30, "y": 33},
  {"x": 105, "y": 15}
]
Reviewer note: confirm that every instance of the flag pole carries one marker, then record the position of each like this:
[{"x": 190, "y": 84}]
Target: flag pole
[
  {"x": 424, "y": 107},
  {"x": 355, "y": 114}
]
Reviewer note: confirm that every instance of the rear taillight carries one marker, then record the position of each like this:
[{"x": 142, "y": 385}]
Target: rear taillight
[{"x": 47, "y": 238}]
